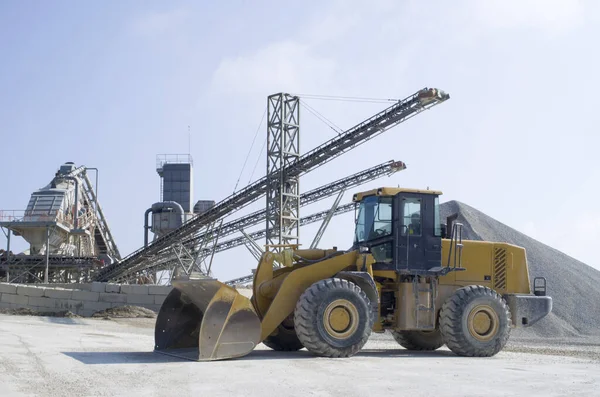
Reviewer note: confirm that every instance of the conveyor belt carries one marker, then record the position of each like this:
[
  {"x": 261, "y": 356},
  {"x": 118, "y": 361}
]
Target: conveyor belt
[{"x": 355, "y": 136}]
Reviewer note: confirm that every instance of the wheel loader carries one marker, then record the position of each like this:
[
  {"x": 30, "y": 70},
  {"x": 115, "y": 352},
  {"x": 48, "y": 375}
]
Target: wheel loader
[{"x": 406, "y": 273}]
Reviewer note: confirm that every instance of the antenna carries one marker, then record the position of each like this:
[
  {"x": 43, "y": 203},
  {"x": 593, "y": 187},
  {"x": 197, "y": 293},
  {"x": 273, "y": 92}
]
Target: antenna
[{"x": 189, "y": 141}]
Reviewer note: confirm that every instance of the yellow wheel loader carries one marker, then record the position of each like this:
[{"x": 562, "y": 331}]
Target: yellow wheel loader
[{"x": 406, "y": 273}]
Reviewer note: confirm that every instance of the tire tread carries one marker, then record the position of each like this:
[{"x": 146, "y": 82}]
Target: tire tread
[
  {"x": 307, "y": 331},
  {"x": 451, "y": 322}
]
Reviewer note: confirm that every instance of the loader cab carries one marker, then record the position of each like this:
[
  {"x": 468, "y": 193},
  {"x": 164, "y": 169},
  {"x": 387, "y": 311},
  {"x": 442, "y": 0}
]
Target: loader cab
[{"x": 401, "y": 228}]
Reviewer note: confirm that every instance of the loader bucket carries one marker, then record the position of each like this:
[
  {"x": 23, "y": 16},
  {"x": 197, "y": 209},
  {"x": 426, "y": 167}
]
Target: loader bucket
[{"x": 206, "y": 320}]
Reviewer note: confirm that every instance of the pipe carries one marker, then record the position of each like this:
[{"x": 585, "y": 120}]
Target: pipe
[
  {"x": 168, "y": 204},
  {"x": 146, "y": 227},
  {"x": 160, "y": 206}
]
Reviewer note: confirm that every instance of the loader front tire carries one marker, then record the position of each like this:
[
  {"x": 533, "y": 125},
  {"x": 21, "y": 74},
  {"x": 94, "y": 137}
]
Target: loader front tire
[
  {"x": 333, "y": 318},
  {"x": 419, "y": 340},
  {"x": 286, "y": 339},
  {"x": 475, "y": 322}
]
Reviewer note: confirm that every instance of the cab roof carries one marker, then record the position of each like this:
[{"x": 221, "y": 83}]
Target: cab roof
[{"x": 391, "y": 191}]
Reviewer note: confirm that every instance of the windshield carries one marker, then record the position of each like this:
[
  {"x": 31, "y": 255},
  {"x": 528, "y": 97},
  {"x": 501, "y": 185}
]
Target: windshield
[{"x": 374, "y": 219}]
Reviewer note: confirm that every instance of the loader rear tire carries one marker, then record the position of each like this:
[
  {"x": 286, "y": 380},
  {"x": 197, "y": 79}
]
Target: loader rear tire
[
  {"x": 419, "y": 340},
  {"x": 333, "y": 318},
  {"x": 475, "y": 322},
  {"x": 286, "y": 339}
]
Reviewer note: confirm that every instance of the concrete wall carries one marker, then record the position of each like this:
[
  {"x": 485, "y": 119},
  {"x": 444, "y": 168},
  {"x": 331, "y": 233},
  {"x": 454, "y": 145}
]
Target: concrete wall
[{"x": 81, "y": 299}]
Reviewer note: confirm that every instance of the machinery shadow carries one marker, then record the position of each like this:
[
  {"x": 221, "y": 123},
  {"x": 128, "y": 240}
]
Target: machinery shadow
[
  {"x": 91, "y": 358},
  {"x": 395, "y": 353},
  {"x": 376, "y": 353}
]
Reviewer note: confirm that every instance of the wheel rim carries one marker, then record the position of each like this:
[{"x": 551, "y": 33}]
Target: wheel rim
[
  {"x": 483, "y": 323},
  {"x": 340, "y": 319}
]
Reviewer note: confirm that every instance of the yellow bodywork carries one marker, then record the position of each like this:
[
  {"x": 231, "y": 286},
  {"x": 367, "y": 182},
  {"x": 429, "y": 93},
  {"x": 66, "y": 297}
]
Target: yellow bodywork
[
  {"x": 390, "y": 191},
  {"x": 499, "y": 266},
  {"x": 275, "y": 292},
  {"x": 208, "y": 320}
]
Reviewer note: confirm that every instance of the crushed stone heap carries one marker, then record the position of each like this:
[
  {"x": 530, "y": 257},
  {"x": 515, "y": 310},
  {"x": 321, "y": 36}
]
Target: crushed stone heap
[{"x": 573, "y": 285}]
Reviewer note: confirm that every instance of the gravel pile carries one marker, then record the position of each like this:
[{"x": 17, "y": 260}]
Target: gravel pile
[
  {"x": 31, "y": 312},
  {"x": 125, "y": 312},
  {"x": 573, "y": 285}
]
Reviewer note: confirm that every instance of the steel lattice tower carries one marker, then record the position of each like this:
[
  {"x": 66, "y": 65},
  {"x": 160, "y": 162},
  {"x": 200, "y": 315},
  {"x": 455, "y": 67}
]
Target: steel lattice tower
[{"x": 283, "y": 189}]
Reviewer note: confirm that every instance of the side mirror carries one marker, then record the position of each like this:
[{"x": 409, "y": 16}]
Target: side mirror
[{"x": 444, "y": 230}]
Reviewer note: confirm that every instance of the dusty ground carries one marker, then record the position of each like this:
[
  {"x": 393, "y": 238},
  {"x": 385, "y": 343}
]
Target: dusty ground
[{"x": 50, "y": 356}]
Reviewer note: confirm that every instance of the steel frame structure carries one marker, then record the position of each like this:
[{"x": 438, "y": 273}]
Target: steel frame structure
[
  {"x": 102, "y": 232},
  {"x": 195, "y": 243},
  {"x": 312, "y": 196},
  {"x": 326, "y": 221},
  {"x": 395, "y": 114},
  {"x": 61, "y": 269},
  {"x": 50, "y": 268},
  {"x": 321, "y": 215},
  {"x": 283, "y": 187},
  {"x": 248, "y": 239}
]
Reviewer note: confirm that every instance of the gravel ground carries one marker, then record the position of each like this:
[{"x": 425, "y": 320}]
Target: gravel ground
[
  {"x": 46, "y": 356},
  {"x": 573, "y": 285},
  {"x": 587, "y": 347}
]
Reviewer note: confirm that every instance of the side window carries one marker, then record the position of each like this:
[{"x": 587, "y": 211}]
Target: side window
[
  {"x": 411, "y": 216},
  {"x": 437, "y": 226}
]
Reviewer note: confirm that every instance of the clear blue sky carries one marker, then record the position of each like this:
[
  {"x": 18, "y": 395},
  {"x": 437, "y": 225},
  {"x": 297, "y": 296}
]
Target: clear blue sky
[{"x": 111, "y": 84}]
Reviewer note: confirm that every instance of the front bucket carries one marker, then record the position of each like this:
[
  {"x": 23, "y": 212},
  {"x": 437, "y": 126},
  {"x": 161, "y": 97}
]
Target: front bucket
[{"x": 206, "y": 320}]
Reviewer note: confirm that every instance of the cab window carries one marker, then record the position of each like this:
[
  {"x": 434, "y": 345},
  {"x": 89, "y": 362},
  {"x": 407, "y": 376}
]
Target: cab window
[
  {"x": 411, "y": 216},
  {"x": 374, "y": 218}
]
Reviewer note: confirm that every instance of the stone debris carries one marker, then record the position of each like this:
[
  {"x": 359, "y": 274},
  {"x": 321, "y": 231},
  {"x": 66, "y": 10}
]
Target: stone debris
[
  {"x": 125, "y": 312},
  {"x": 573, "y": 285},
  {"x": 31, "y": 312}
]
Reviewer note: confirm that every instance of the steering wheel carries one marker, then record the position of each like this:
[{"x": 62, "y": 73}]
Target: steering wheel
[{"x": 380, "y": 232}]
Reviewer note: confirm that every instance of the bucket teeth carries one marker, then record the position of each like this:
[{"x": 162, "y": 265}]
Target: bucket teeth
[{"x": 206, "y": 320}]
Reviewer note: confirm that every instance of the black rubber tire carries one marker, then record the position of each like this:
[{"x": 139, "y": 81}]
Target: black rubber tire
[
  {"x": 308, "y": 318},
  {"x": 454, "y": 322},
  {"x": 419, "y": 340},
  {"x": 286, "y": 339}
]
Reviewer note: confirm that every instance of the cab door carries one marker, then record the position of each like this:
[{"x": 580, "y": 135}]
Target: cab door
[{"x": 410, "y": 236}]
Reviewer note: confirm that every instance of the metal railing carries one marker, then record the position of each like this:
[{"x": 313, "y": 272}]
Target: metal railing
[
  {"x": 31, "y": 216},
  {"x": 162, "y": 159},
  {"x": 58, "y": 216}
]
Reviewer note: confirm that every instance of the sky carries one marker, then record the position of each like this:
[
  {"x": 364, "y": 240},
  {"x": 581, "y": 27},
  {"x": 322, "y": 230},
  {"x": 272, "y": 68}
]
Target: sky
[{"x": 113, "y": 84}]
